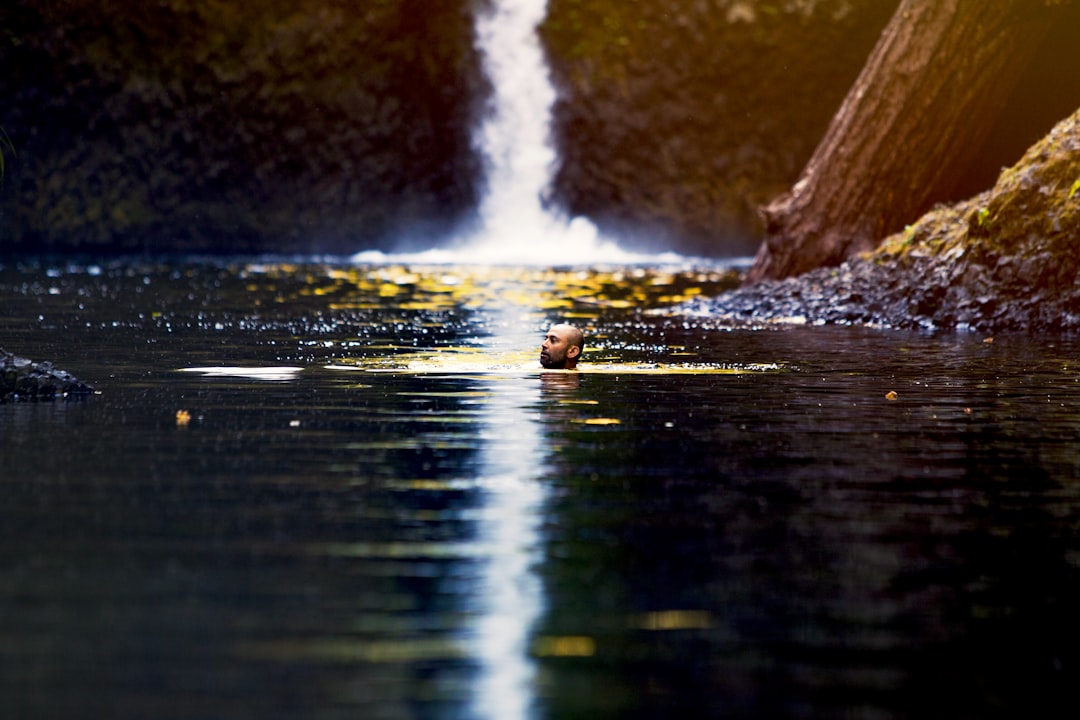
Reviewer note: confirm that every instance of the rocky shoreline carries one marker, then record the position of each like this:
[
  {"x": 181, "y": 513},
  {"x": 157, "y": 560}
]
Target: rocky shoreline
[
  {"x": 919, "y": 293},
  {"x": 1002, "y": 260},
  {"x": 23, "y": 379},
  {"x": 868, "y": 292}
]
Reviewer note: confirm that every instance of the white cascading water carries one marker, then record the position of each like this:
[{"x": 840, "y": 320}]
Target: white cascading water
[
  {"x": 515, "y": 138},
  {"x": 514, "y": 226}
]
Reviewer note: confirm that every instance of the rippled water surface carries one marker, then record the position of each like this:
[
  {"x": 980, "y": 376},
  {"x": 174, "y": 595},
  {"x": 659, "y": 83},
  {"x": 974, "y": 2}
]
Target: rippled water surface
[{"x": 321, "y": 491}]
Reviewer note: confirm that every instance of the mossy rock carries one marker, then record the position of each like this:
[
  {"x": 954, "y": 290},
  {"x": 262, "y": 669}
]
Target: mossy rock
[{"x": 1002, "y": 260}]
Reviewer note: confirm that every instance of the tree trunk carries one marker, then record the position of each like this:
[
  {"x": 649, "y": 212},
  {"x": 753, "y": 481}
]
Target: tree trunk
[{"x": 910, "y": 126}]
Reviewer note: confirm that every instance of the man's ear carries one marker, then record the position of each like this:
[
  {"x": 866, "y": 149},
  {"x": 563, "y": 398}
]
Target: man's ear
[{"x": 573, "y": 351}]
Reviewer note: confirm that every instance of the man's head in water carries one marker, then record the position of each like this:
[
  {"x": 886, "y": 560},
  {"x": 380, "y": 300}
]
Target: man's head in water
[{"x": 562, "y": 347}]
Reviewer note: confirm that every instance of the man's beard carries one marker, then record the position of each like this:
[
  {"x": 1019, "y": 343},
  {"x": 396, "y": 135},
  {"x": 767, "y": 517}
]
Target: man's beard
[{"x": 548, "y": 363}]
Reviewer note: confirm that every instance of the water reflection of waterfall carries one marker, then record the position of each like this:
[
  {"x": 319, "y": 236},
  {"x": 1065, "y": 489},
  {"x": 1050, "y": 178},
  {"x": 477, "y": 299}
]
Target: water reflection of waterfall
[{"x": 511, "y": 591}]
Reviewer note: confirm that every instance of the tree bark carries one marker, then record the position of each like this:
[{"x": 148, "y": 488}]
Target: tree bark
[{"x": 911, "y": 124}]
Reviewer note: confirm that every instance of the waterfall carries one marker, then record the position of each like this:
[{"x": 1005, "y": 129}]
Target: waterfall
[
  {"x": 515, "y": 139},
  {"x": 513, "y": 224}
]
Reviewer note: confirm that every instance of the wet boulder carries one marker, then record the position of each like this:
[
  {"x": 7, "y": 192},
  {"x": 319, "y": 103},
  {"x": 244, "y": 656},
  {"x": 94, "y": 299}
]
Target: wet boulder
[{"x": 23, "y": 379}]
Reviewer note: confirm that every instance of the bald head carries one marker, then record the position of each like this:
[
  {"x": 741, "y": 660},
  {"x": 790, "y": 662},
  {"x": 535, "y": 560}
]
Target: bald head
[{"x": 562, "y": 347}]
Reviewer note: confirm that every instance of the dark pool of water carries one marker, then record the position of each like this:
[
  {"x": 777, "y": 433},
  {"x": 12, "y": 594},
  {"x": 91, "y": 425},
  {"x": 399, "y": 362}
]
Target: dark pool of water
[{"x": 412, "y": 522}]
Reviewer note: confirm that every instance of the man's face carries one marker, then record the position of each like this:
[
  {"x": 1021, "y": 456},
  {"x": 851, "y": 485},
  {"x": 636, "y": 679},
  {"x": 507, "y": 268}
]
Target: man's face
[{"x": 556, "y": 352}]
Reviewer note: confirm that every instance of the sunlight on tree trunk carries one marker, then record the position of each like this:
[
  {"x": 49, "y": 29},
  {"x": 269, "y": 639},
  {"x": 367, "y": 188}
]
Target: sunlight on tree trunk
[{"x": 910, "y": 126}]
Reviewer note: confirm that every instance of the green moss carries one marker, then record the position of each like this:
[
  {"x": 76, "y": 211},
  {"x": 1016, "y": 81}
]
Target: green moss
[{"x": 1030, "y": 215}]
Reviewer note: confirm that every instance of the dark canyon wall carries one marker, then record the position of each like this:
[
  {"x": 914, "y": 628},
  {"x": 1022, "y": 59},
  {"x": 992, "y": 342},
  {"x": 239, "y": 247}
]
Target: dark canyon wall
[
  {"x": 215, "y": 125},
  {"x": 679, "y": 119},
  {"x": 333, "y": 126}
]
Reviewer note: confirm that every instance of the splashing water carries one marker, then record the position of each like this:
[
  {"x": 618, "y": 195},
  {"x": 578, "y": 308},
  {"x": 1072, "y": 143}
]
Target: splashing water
[{"x": 514, "y": 225}]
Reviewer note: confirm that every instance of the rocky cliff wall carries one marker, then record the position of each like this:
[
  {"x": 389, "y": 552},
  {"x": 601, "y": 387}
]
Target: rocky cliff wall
[
  {"x": 330, "y": 126},
  {"x": 213, "y": 125},
  {"x": 679, "y": 119}
]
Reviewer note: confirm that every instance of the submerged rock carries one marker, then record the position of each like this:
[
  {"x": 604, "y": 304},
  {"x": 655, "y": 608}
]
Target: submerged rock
[
  {"x": 22, "y": 379},
  {"x": 1002, "y": 260}
]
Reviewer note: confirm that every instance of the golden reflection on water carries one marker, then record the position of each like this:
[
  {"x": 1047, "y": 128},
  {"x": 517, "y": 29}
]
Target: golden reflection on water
[
  {"x": 438, "y": 287},
  {"x": 497, "y": 312},
  {"x": 564, "y": 646},
  {"x": 447, "y": 363},
  {"x": 347, "y": 650},
  {"x": 674, "y": 620},
  {"x": 437, "y": 363}
]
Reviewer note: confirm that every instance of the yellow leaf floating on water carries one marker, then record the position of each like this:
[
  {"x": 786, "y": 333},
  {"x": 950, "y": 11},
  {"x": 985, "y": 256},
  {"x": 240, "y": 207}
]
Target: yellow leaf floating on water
[
  {"x": 675, "y": 620},
  {"x": 554, "y": 304},
  {"x": 891, "y": 395},
  {"x": 183, "y": 417},
  {"x": 388, "y": 290},
  {"x": 565, "y": 646},
  {"x": 599, "y": 421}
]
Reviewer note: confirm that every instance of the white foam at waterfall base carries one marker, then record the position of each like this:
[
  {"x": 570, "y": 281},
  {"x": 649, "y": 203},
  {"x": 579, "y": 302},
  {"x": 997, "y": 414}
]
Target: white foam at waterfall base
[{"x": 514, "y": 227}]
